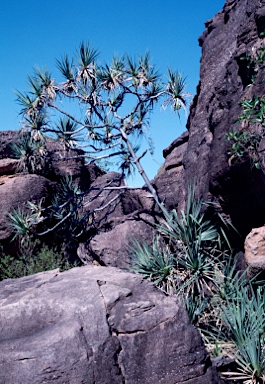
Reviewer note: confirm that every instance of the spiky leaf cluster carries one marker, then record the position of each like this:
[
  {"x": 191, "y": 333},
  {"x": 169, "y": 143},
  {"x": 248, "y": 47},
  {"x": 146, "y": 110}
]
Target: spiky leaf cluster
[{"x": 114, "y": 102}]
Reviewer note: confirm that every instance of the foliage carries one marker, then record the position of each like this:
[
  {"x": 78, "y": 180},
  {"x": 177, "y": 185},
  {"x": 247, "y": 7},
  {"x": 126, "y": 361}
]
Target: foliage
[
  {"x": 186, "y": 255},
  {"x": 29, "y": 224},
  {"x": 257, "y": 57},
  {"x": 247, "y": 139},
  {"x": 154, "y": 262},
  {"x": 245, "y": 142},
  {"x": 197, "y": 245},
  {"x": 64, "y": 209},
  {"x": 227, "y": 308},
  {"x": 195, "y": 307},
  {"x": 233, "y": 323},
  {"x": 30, "y": 153},
  {"x": 252, "y": 64},
  {"x": 191, "y": 225},
  {"x": 243, "y": 316},
  {"x": 66, "y": 132},
  {"x": 22, "y": 223},
  {"x": 34, "y": 256},
  {"x": 39, "y": 258},
  {"x": 114, "y": 101},
  {"x": 229, "y": 312}
]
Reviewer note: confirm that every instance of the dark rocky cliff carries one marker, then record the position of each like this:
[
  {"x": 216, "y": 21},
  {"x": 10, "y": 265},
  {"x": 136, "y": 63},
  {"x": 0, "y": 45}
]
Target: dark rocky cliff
[{"x": 225, "y": 80}]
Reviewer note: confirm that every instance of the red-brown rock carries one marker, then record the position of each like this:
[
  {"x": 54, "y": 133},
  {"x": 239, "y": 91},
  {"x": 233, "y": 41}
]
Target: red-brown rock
[
  {"x": 96, "y": 325},
  {"x": 255, "y": 250},
  {"x": 16, "y": 191},
  {"x": 224, "y": 81}
]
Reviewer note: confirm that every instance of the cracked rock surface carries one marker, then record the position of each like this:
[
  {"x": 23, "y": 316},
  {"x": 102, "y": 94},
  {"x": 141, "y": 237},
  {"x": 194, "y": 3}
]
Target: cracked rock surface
[
  {"x": 96, "y": 325},
  {"x": 201, "y": 155}
]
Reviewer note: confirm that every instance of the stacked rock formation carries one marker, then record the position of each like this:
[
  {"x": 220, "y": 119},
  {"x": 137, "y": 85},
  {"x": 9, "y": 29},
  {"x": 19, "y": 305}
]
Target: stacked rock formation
[{"x": 201, "y": 155}]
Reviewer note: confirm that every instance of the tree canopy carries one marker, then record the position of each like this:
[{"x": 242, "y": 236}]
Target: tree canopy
[
  {"x": 114, "y": 103},
  {"x": 101, "y": 109}
]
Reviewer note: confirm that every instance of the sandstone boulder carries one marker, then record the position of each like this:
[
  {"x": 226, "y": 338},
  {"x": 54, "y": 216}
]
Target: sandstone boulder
[
  {"x": 66, "y": 162},
  {"x": 112, "y": 247},
  {"x": 106, "y": 204},
  {"x": 255, "y": 250},
  {"x": 8, "y": 166},
  {"x": 96, "y": 325},
  {"x": 119, "y": 215}
]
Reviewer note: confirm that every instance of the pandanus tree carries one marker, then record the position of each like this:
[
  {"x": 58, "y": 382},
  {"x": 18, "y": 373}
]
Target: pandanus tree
[{"x": 113, "y": 106}]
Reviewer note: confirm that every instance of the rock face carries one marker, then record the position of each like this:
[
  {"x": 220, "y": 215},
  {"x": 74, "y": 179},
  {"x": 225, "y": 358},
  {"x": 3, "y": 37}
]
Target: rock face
[
  {"x": 112, "y": 247},
  {"x": 15, "y": 191},
  {"x": 121, "y": 216},
  {"x": 230, "y": 36},
  {"x": 6, "y": 138},
  {"x": 96, "y": 325},
  {"x": 118, "y": 215},
  {"x": 255, "y": 251},
  {"x": 167, "y": 181}
]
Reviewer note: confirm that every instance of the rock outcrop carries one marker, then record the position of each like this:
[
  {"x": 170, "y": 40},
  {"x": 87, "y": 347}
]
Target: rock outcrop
[
  {"x": 225, "y": 80},
  {"x": 167, "y": 180},
  {"x": 96, "y": 325},
  {"x": 117, "y": 215}
]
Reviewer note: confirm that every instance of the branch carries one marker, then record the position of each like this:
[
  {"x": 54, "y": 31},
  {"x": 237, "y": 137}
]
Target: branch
[
  {"x": 141, "y": 156},
  {"x": 107, "y": 204},
  {"x": 143, "y": 174},
  {"x": 77, "y": 121},
  {"x": 86, "y": 155},
  {"x": 56, "y": 225}
]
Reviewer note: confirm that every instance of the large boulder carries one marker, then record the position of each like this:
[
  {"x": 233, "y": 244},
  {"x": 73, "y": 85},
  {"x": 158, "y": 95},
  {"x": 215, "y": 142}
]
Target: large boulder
[
  {"x": 8, "y": 166},
  {"x": 96, "y": 325},
  {"x": 118, "y": 216},
  {"x": 113, "y": 247},
  {"x": 67, "y": 162}
]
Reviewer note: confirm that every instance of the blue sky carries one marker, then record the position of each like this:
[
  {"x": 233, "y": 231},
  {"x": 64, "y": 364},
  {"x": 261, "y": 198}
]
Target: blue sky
[{"x": 35, "y": 33}]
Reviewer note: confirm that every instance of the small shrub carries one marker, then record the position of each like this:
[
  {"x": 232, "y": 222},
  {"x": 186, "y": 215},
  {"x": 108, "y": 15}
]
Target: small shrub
[
  {"x": 244, "y": 143},
  {"x": 244, "y": 319},
  {"x": 62, "y": 217},
  {"x": 186, "y": 255},
  {"x": 246, "y": 140},
  {"x": 197, "y": 245},
  {"x": 195, "y": 307},
  {"x": 155, "y": 263},
  {"x": 41, "y": 258},
  {"x": 31, "y": 153}
]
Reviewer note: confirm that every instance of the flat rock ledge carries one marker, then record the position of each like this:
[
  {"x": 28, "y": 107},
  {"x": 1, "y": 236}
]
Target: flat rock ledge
[{"x": 96, "y": 325}]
